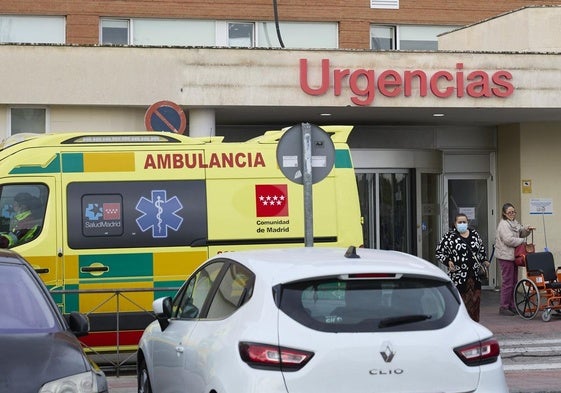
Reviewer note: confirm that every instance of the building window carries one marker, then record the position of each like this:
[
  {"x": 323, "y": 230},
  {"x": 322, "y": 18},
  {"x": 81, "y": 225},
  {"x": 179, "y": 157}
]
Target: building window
[
  {"x": 407, "y": 37},
  {"x": 173, "y": 32},
  {"x": 210, "y": 33},
  {"x": 421, "y": 37},
  {"x": 25, "y": 119},
  {"x": 383, "y": 37},
  {"x": 32, "y": 29},
  {"x": 385, "y": 4},
  {"x": 317, "y": 35},
  {"x": 115, "y": 32},
  {"x": 241, "y": 34}
]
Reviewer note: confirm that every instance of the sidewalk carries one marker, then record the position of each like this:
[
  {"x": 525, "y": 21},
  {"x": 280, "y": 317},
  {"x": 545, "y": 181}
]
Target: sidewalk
[
  {"x": 511, "y": 327},
  {"x": 515, "y": 327}
]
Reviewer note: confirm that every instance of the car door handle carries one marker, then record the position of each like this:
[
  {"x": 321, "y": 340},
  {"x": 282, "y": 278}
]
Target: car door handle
[{"x": 179, "y": 349}]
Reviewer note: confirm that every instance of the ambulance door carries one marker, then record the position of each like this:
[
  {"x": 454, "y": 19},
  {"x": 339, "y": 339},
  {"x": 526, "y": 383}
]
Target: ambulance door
[{"x": 42, "y": 247}]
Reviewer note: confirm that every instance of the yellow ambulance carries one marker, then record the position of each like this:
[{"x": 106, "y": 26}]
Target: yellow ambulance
[{"x": 122, "y": 218}]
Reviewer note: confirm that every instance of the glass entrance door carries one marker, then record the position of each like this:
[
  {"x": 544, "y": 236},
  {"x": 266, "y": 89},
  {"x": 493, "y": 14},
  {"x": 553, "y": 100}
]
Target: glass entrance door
[
  {"x": 469, "y": 195},
  {"x": 386, "y": 206},
  {"x": 428, "y": 216}
]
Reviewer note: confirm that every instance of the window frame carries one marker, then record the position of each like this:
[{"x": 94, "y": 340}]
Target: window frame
[
  {"x": 9, "y": 118},
  {"x": 29, "y": 19},
  {"x": 129, "y": 28},
  {"x": 398, "y": 32}
]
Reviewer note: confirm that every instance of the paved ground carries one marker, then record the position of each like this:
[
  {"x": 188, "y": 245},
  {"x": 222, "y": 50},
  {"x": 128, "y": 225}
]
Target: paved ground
[
  {"x": 509, "y": 328},
  {"x": 504, "y": 327}
]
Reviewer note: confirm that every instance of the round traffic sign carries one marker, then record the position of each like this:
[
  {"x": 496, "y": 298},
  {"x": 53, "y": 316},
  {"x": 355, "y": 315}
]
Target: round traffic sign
[
  {"x": 290, "y": 155},
  {"x": 165, "y": 116}
]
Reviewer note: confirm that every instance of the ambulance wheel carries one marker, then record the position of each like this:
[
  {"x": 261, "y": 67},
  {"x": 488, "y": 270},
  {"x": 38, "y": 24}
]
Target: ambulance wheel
[
  {"x": 143, "y": 379},
  {"x": 527, "y": 298}
]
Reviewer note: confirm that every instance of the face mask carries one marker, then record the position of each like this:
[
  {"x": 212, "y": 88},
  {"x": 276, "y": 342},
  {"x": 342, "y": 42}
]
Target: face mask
[{"x": 462, "y": 227}]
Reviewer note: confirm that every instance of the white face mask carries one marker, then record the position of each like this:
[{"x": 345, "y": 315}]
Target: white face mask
[{"x": 462, "y": 227}]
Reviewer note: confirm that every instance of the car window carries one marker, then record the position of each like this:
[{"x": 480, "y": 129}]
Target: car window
[
  {"x": 337, "y": 305},
  {"x": 235, "y": 289},
  {"x": 23, "y": 307},
  {"x": 191, "y": 298}
]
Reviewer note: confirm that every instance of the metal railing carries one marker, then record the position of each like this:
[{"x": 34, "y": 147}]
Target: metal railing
[{"x": 113, "y": 361}]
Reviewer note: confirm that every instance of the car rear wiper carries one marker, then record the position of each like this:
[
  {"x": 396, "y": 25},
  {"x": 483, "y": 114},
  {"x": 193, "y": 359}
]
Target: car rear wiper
[{"x": 402, "y": 320}]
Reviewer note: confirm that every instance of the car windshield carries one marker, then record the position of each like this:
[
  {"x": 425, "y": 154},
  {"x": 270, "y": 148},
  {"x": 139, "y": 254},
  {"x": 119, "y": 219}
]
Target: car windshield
[
  {"x": 368, "y": 305},
  {"x": 23, "y": 307}
]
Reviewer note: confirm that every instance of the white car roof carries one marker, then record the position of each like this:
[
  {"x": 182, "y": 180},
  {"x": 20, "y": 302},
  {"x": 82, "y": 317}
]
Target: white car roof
[{"x": 291, "y": 264}]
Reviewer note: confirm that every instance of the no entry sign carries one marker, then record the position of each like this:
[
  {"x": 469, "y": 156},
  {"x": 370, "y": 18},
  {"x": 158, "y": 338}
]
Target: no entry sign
[{"x": 165, "y": 116}]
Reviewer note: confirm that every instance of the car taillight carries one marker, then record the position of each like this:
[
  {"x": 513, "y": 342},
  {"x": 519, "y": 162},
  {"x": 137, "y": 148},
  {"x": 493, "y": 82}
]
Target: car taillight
[
  {"x": 273, "y": 357},
  {"x": 478, "y": 353}
]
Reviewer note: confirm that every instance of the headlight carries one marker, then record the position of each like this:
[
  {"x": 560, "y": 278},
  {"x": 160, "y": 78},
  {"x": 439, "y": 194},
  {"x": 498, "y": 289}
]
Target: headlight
[{"x": 79, "y": 383}]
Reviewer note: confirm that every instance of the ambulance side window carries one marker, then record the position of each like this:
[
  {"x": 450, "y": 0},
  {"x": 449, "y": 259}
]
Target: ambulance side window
[
  {"x": 22, "y": 213},
  {"x": 136, "y": 214}
]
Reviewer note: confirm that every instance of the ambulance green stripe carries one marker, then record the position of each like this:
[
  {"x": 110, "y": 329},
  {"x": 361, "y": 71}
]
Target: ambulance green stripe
[
  {"x": 73, "y": 163},
  {"x": 343, "y": 159},
  {"x": 120, "y": 265}
]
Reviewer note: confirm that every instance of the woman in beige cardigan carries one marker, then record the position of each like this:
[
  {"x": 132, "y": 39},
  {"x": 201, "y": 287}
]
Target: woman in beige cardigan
[{"x": 510, "y": 233}]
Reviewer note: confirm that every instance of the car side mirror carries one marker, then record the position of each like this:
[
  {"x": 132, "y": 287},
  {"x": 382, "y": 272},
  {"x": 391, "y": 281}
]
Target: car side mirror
[
  {"x": 162, "y": 311},
  {"x": 78, "y": 323}
]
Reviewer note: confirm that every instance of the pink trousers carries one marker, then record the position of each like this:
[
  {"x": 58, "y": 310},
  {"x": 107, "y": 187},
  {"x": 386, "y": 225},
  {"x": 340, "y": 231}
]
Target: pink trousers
[{"x": 509, "y": 274}]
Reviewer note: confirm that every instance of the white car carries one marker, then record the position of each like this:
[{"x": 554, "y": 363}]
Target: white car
[{"x": 317, "y": 319}]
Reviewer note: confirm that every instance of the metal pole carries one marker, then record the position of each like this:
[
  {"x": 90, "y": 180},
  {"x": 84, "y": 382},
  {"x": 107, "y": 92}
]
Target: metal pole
[
  {"x": 307, "y": 182},
  {"x": 544, "y": 233}
]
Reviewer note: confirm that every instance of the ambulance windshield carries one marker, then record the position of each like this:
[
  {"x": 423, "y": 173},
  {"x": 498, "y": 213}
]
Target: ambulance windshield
[{"x": 22, "y": 212}]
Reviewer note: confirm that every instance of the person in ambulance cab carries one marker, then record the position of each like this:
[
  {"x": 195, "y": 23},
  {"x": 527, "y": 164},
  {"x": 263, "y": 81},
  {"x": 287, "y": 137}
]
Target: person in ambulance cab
[{"x": 25, "y": 223}]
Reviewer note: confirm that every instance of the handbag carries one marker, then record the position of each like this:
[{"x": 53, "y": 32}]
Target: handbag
[{"x": 522, "y": 250}]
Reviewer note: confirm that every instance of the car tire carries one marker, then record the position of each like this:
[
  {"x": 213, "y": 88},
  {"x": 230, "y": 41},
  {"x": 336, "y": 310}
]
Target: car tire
[{"x": 143, "y": 379}]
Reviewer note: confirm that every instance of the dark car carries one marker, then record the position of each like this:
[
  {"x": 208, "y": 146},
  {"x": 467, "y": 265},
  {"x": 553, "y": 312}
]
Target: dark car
[{"x": 40, "y": 352}]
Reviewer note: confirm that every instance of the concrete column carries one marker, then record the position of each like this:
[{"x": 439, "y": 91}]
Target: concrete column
[{"x": 202, "y": 122}]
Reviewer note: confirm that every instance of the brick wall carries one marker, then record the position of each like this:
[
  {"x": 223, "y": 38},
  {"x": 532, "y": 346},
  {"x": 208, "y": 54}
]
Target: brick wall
[{"x": 354, "y": 16}]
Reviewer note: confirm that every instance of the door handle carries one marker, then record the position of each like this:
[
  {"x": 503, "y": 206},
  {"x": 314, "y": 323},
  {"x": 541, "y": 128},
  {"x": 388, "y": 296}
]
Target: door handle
[{"x": 179, "y": 349}]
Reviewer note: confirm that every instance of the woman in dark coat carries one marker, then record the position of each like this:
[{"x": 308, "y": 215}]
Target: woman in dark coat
[{"x": 462, "y": 251}]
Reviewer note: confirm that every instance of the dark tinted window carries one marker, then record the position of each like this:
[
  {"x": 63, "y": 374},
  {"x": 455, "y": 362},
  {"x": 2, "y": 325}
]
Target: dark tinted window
[
  {"x": 23, "y": 307},
  {"x": 137, "y": 214},
  {"x": 192, "y": 296},
  {"x": 22, "y": 211},
  {"x": 235, "y": 289},
  {"x": 335, "y": 305}
]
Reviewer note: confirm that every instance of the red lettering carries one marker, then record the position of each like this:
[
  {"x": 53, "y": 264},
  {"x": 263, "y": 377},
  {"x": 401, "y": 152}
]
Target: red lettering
[
  {"x": 259, "y": 160},
  {"x": 434, "y": 80},
  {"x": 227, "y": 160},
  {"x": 178, "y": 161},
  {"x": 149, "y": 162},
  {"x": 362, "y": 83},
  {"x": 480, "y": 85},
  {"x": 389, "y": 83},
  {"x": 459, "y": 80},
  {"x": 367, "y": 92},
  {"x": 421, "y": 76},
  {"x": 196, "y": 159},
  {"x": 304, "y": 85},
  {"x": 214, "y": 161},
  {"x": 191, "y": 163},
  {"x": 164, "y": 161},
  {"x": 338, "y": 76},
  {"x": 505, "y": 88},
  {"x": 241, "y": 160}
]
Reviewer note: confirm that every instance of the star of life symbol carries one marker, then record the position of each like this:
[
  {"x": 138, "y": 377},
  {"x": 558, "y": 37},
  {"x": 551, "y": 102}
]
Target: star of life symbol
[{"x": 159, "y": 214}]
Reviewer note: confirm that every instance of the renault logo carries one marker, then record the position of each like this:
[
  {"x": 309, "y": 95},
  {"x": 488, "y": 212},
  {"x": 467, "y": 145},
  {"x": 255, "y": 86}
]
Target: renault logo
[{"x": 387, "y": 352}]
